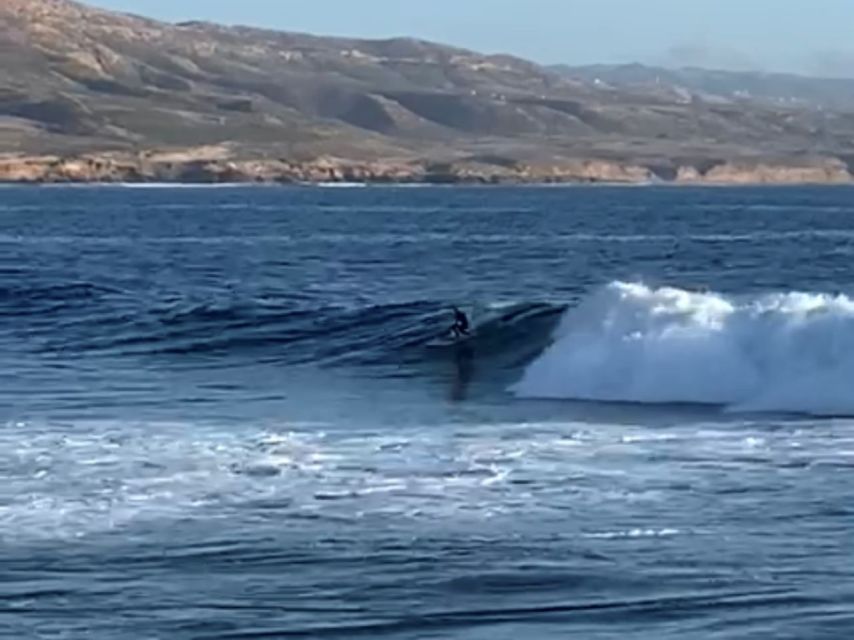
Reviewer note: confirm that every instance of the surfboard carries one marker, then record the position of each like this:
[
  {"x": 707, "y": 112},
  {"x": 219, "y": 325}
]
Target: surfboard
[{"x": 449, "y": 340}]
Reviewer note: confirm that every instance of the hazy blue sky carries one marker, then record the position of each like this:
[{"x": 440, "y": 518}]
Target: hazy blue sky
[{"x": 802, "y": 35}]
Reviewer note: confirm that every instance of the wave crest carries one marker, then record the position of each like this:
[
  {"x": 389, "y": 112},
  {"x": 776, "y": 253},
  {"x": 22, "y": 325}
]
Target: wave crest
[{"x": 631, "y": 343}]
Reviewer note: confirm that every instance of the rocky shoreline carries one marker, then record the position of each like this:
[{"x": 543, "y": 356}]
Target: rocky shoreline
[{"x": 214, "y": 166}]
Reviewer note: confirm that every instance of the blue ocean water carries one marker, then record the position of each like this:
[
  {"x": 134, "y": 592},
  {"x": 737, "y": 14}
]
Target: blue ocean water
[{"x": 224, "y": 413}]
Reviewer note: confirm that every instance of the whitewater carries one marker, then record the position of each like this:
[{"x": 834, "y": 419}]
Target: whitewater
[{"x": 789, "y": 352}]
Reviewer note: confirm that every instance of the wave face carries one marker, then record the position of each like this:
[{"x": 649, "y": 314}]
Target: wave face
[
  {"x": 787, "y": 352},
  {"x": 87, "y": 320}
]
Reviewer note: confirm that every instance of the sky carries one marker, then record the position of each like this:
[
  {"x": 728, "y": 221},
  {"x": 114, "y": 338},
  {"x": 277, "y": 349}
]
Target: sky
[{"x": 806, "y": 36}]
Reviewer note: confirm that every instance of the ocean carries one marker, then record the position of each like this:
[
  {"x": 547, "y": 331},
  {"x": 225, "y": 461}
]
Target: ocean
[{"x": 227, "y": 413}]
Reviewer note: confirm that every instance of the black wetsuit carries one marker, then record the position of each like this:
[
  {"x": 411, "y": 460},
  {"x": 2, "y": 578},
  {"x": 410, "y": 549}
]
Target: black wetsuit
[{"x": 461, "y": 323}]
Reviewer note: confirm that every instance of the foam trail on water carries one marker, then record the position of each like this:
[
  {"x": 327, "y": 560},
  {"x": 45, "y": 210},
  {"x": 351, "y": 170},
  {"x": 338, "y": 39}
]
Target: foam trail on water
[{"x": 628, "y": 342}]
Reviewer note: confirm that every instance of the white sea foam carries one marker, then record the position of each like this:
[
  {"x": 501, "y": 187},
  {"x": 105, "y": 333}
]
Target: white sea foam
[
  {"x": 174, "y": 185},
  {"x": 72, "y": 480},
  {"x": 628, "y": 342},
  {"x": 339, "y": 185}
]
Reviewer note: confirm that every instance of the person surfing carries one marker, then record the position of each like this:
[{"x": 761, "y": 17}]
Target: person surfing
[{"x": 460, "y": 327}]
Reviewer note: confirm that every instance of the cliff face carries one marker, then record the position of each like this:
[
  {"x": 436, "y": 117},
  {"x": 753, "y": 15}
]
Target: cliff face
[
  {"x": 213, "y": 165},
  {"x": 93, "y": 95}
]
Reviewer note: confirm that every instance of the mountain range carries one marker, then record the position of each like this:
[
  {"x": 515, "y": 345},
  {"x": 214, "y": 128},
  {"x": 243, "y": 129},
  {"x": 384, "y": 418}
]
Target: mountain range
[{"x": 88, "y": 94}]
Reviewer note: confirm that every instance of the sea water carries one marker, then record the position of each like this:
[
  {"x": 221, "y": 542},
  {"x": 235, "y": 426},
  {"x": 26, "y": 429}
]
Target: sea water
[{"x": 224, "y": 413}]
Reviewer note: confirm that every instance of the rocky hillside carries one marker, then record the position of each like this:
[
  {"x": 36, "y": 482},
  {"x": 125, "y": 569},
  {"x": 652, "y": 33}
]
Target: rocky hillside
[{"x": 89, "y": 94}]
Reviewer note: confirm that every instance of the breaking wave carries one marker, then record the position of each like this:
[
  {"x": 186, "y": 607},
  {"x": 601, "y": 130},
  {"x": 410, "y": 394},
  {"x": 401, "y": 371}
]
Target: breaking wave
[
  {"x": 786, "y": 352},
  {"x": 627, "y": 342}
]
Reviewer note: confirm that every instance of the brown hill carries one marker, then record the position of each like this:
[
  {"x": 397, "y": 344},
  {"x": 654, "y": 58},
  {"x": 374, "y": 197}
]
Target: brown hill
[{"x": 78, "y": 80}]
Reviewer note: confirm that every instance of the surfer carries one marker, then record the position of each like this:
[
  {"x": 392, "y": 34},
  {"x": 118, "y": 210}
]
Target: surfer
[{"x": 461, "y": 324}]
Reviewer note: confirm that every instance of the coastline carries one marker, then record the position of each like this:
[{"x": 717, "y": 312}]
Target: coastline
[{"x": 213, "y": 166}]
